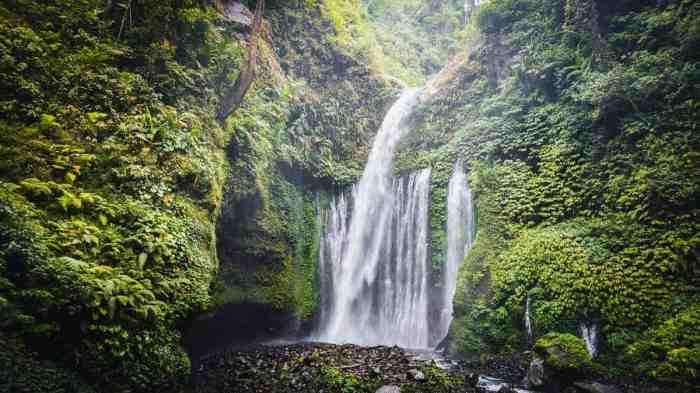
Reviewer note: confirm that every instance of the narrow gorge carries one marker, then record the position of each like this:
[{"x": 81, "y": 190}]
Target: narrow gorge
[{"x": 349, "y": 196}]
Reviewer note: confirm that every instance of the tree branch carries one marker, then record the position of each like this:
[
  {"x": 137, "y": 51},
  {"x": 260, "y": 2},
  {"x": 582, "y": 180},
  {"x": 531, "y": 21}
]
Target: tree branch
[{"x": 234, "y": 97}]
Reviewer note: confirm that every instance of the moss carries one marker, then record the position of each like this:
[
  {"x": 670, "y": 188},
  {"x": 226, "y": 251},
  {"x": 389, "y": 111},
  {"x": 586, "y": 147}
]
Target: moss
[{"x": 563, "y": 352}]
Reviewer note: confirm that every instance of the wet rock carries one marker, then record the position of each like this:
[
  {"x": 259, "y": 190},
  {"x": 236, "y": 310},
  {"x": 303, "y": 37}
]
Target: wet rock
[
  {"x": 535, "y": 374},
  {"x": 389, "y": 389},
  {"x": 492, "y": 385},
  {"x": 416, "y": 375},
  {"x": 595, "y": 387},
  {"x": 471, "y": 380}
]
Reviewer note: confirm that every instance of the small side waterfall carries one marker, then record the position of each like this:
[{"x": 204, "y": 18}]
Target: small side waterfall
[
  {"x": 589, "y": 333},
  {"x": 374, "y": 256},
  {"x": 460, "y": 237},
  {"x": 528, "y": 323}
]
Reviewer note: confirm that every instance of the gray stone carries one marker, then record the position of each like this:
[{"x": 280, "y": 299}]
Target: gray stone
[
  {"x": 416, "y": 375},
  {"x": 596, "y": 387},
  {"x": 506, "y": 389},
  {"x": 472, "y": 380},
  {"x": 535, "y": 374},
  {"x": 236, "y": 11},
  {"x": 389, "y": 389}
]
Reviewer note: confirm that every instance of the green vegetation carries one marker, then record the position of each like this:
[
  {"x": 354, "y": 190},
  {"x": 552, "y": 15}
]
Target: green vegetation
[
  {"x": 334, "y": 380},
  {"x": 416, "y": 36},
  {"x": 581, "y": 124},
  {"x": 126, "y": 208},
  {"x": 114, "y": 173},
  {"x": 563, "y": 352}
]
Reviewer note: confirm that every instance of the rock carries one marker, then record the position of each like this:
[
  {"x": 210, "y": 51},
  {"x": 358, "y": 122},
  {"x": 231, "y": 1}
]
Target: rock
[
  {"x": 235, "y": 11},
  {"x": 416, "y": 375},
  {"x": 389, "y": 389},
  {"x": 595, "y": 387},
  {"x": 559, "y": 360},
  {"x": 535, "y": 374},
  {"x": 471, "y": 380}
]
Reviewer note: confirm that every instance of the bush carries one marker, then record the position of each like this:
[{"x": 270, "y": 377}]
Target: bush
[{"x": 670, "y": 351}]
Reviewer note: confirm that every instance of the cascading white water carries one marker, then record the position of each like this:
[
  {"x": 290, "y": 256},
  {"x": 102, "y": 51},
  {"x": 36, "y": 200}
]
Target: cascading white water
[
  {"x": 374, "y": 261},
  {"x": 460, "y": 237},
  {"x": 589, "y": 333},
  {"x": 528, "y": 322}
]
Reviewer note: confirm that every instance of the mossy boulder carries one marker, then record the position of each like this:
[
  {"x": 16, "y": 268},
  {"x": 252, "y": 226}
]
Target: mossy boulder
[
  {"x": 560, "y": 359},
  {"x": 563, "y": 351}
]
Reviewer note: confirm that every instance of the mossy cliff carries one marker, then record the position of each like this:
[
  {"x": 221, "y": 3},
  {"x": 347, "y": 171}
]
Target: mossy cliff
[
  {"x": 579, "y": 123},
  {"x": 115, "y": 174},
  {"x": 127, "y": 210},
  {"x": 285, "y": 169}
]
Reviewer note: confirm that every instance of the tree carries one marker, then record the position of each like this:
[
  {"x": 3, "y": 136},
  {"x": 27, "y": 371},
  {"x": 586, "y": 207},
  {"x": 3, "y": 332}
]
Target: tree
[{"x": 234, "y": 97}]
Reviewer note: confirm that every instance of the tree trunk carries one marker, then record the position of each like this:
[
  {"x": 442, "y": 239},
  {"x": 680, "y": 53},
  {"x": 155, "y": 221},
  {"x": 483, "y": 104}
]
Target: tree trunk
[{"x": 234, "y": 97}]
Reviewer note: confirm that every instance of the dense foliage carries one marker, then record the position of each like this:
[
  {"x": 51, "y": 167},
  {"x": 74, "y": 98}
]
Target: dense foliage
[
  {"x": 114, "y": 171},
  {"x": 126, "y": 208},
  {"x": 580, "y": 122}
]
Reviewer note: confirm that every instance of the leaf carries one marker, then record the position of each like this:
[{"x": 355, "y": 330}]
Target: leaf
[
  {"x": 142, "y": 260},
  {"x": 64, "y": 201},
  {"x": 70, "y": 177}
]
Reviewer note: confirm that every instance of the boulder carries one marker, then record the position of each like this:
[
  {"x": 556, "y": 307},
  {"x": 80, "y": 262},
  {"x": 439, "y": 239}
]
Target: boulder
[
  {"x": 595, "y": 387},
  {"x": 472, "y": 380},
  {"x": 559, "y": 360},
  {"x": 416, "y": 375},
  {"x": 535, "y": 374},
  {"x": 389, "y": 389}
]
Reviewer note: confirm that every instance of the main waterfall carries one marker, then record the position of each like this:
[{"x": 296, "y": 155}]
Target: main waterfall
[{"x": 374, "y": 254}]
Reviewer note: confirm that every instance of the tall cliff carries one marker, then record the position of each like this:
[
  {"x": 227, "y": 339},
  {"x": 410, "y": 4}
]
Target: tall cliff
[{"x": 580, "y": 125}]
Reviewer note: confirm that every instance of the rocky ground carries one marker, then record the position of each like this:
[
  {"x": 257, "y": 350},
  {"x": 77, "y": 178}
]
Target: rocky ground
[
  {"x": 328, "y": 368},
  {"x": 313, "y": 367}
]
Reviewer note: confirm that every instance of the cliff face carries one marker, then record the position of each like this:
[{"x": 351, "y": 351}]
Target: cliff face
[
  {"x": 126, "y": 208},
  {"x": 319, "y": 119},
  {"x": 581, "y": 141}
]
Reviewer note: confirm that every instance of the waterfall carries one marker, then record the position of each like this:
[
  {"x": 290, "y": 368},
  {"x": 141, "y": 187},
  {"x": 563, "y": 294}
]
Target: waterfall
[
  {"x": 374, "y": 254},
  {"x": 589, "y": 333},
  {"x": 460, "y": 237},
  {"x": 528, "y": 322}
]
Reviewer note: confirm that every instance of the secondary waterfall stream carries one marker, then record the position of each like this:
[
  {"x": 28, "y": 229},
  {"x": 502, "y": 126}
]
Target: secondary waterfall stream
[{"x": 460, "y": 237}]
